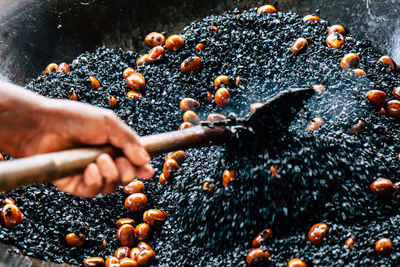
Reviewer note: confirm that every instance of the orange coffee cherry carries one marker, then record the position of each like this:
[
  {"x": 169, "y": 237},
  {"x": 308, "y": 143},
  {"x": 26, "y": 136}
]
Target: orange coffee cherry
[
  {"x": 191, "y": 116},
  {"x": 396, "y": 92},
  {"x": 136, "y": 202},
  {"x": 157, "y": 53},
  {"x": 382, "y": 111},
  {"x": 337, "y": 28},
  {"x": 299, "y": 46},
  {"x": 155, "y": 39},
  {"x": 393, "y": 107},
  {"x": 208, "y": 97},
  {"x": 112, "y": 262},
  {"x": 73, "y": 96},
  {"x": 127, "y": 72},
  {"x": 161, "y": 179},
  {"x": 389, "y": 61},
  {"x": 136, "y": 95},
  {"x": 52, "y": 67},
  {"x": 11, "y": 215},
  {"x": 318, "y": 87},
  {"x": 350, "y": 61},
  {"x": 222, "y": 97},
  {"x": 123, "y": 221},
  {"x": 112, "y": 100},
  {"x": 63, "y": 68},
  {"x": 143, "y": 246},
  {"x": 179, "y": 156},
  {"x": 1, "y": 157},
  {"x": 255, "y": 106},
  {"x": 266, "y": 9},
  {"x": 261, "y": 237},
  {"x": 213, "y": 117},
  {"x": 103, "y": 245},
  {"x": 213, "y": 28},
  {"x": 142, "y": 60},
  {"x": 208, "y": 187},
  {"x": 358, "y": 128},
  {"x": 136, "y": 186},
  {"x": 169, "y": 168},
  {"x": 174, "y": 42},
  {"x": 185, "y": 125},
  {"x": 238, "y": 80},
  {"x": 189, "y": 104},
  {"x": 142, "y": 231},
  {"x": 134, "y": 253},
  {"x": 377, "y": 97},
  {"x": 128, "y": 263},
  {"x": 126, "y": 235},
  {"x": 191, "y": 64},
  {"x": 199, "y": 46},
  {"x": 122, "y": 252},
  {"x": 383, "y": 246},
  {"x": 74, "y": 240},
  {"x": 146, "y": 257},
  {"x": 257, "y": 256},
  {"x": 317, "y": 233},
  {"x": 273, "y": 170},
  {"x": 382, "y": 187},
  {"x": 296, "y": 262},
  {"x": 350, "y": 242},
  {"x": 227, "y": 177},
  {"x": 315, "y": 124},
  {"x": 94, "y": 262},
  {"x": 359, "y": 72},
  {"x": 94, "y": 82},
  {"x": 136, "y": 81},
  {"x": 311, "y": 18},
  {"x": 335, "y": 40},
  {"x": 221, "y": 79},
  {"x": 153, "y": 215}
]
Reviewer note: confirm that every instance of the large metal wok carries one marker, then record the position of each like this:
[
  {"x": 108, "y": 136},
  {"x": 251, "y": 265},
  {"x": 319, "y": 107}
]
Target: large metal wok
[{"x": 34, "y": 33}]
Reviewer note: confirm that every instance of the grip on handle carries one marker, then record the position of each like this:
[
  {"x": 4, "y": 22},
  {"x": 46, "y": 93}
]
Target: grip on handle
[{"x": 51, "y": 166}]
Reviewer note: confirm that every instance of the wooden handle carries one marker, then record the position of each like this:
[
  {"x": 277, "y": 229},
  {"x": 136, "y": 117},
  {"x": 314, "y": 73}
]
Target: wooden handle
[{"x": 46, "y": 168}]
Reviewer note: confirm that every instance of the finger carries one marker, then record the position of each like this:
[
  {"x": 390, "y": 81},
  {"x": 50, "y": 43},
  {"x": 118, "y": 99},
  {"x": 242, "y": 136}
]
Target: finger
[
  {"x": 145, "y": 172},
  {"x": 63, "y": 182},
  {"x": 137, "y": 155},
  {"x": 125, "y": 138},
  {"x": 126, "y": 170},
  {"x": 92, "y": 178},
  {"x": 110, "y": 188},
  {"x": 81, "y": 190},
  {"x": 107, "y": 168},
  {"x": 69, "y": 184}
]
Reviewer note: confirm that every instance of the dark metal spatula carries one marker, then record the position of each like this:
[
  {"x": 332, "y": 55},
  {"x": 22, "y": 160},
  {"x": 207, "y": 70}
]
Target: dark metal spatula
[{"x": 268, "y": 120}]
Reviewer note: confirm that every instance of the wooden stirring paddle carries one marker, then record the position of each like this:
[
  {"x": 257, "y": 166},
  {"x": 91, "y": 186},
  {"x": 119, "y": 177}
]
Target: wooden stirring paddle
[{"x": 277, "y": 113}]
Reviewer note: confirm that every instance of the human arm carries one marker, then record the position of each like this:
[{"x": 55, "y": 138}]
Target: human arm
[{"x": 33, "y": 124}]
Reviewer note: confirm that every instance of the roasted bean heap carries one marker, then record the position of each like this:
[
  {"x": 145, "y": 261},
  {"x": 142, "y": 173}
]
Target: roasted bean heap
[{"x": 324, "y": 194}]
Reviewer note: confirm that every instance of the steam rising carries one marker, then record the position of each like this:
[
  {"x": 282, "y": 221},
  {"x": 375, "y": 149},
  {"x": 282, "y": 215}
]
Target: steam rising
[{"x": 383, "y": 19}]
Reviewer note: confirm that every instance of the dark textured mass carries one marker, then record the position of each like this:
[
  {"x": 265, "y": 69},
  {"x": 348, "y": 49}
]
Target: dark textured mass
[{"x": 323, "y": 176}]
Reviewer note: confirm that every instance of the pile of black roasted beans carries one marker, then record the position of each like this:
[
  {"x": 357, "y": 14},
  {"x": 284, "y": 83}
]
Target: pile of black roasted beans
[{"x": 322, "y": 176}]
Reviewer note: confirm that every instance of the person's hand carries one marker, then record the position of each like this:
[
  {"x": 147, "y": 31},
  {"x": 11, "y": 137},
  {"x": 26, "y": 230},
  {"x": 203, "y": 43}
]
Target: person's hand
[
  {"x": 40, "y": 125},
  {"x": 69, "y": 124},
  {"x": 33, "y": 124}
]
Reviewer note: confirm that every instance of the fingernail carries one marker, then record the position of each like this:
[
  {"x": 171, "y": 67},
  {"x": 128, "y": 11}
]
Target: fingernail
[{"x": 144, "y": 155}]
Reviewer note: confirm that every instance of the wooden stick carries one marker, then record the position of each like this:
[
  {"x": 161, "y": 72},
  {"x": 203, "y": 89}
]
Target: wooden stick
[{"x": 48, "y": 167}]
